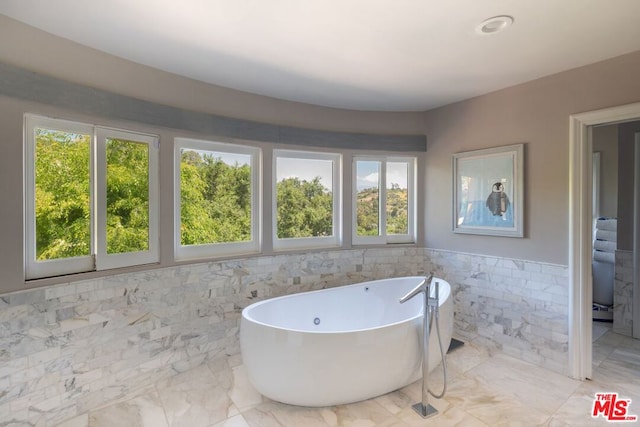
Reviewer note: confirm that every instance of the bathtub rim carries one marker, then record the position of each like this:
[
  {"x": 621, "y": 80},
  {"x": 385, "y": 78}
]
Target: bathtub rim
[{"x": 246, "y": 317}]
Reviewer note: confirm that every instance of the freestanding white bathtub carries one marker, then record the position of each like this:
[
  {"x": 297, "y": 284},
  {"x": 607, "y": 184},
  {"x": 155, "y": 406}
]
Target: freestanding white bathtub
[{"x": 340, "y": 345}]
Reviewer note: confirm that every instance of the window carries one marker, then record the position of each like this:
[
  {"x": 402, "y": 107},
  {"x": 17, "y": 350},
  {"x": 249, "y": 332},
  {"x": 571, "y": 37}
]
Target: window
[
  {"x": 91, "y": 198},
  {"x": 384, "y": 200},
  {"x": 307, "y": 209},
  {"x": 217, "y": 199}
]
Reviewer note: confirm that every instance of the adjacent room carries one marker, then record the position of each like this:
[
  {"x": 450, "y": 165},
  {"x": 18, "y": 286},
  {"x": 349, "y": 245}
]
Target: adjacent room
[{"x": 285, "y": 213}]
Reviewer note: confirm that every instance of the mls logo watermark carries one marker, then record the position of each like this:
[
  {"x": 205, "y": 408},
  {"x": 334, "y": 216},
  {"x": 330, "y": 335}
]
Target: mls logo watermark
[{"x": 612, "y": 408}]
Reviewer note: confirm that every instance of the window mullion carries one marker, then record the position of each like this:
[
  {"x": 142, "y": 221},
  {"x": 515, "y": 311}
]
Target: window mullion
[
  {"x": 30, "y": 190},
  {"x": 337, "y": 199},
  {"x": 411, "y": 198},
  {"x": 99, "y": 197},
  {"x": 382, "y": 209}
]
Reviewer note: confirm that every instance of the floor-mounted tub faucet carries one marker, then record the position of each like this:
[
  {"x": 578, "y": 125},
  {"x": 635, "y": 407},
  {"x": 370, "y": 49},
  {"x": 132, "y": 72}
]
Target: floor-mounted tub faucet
[
  {"x": 422, "y": 286},
  {"x": 424, "y": 408}
]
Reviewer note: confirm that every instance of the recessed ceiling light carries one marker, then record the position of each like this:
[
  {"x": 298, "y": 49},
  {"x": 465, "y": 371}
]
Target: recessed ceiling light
[{"x": 494, "y": 25}]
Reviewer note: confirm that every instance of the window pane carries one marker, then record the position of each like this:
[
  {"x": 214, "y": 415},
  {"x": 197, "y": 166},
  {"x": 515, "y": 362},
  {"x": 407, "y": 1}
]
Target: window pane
[
  {"x": 127, "y": 196},
  {"x": 215, "y": 197},
  {"x": 304, "y": 194},
  {"x": 62, "y": 200},
  {"x": 397, "y": 198},
  {"x": 368, "y": 198}
]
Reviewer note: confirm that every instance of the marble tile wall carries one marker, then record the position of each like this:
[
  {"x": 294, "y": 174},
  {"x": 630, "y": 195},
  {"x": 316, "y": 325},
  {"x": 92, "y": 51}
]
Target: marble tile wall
[
  {"x": 623, "y": 293},
  {"x": 74, "y": 347},
  {"x": 518, "y": 307}
]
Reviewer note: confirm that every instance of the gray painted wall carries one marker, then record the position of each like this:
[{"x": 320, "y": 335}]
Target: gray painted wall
[
  {"x": 535, "y": 113},
  {"x": 44, "y": 53},
  {"x": 16, "y": 82},
  {"x": 69, "y": 81}
]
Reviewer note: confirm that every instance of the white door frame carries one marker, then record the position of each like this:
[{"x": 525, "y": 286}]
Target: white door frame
[
  {"x": 580, "y": 230},
  {"x": 635, "y": 303}
]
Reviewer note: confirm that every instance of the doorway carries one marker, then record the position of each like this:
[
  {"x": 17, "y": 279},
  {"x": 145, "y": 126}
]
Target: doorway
[
  {"x": 606, "y": 205},
  {"x": 580, "y": 231}
]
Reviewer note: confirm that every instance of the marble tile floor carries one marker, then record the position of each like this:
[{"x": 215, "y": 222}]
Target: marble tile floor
[
  {"x": 600, "y": 328},
  {"x": 485, "y": 389}
]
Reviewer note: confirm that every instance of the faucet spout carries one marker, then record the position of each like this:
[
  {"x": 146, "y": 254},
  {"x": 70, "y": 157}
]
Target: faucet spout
[{"x": 422, "y": 287}]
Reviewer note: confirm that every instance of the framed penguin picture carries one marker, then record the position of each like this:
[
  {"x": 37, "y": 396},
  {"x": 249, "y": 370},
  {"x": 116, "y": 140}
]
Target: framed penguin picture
[{"x": 488, "y": 191}]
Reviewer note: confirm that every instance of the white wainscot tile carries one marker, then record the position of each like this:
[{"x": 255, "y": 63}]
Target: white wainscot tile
[
  {"x": 44, "y": 356},
  {"x": 60, "y": 291}
]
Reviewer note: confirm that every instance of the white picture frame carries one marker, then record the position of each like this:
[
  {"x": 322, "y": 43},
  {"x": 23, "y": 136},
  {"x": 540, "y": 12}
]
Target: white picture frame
[{"x": 488, "y": 196}]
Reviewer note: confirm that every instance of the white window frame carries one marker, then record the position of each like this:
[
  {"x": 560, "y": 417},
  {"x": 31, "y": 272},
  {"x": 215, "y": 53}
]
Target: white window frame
[
  {"x": 383, "y": 237},
  {"x": 335, "y": 240},
  {"x": 104, "y": 260},
  {"x": 210, "y": 250},
  {"x": 98, "y": 259}
]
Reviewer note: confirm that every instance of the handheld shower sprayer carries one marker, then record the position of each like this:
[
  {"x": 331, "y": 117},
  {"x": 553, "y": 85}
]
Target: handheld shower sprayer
[{"x": 430, "y": 306}]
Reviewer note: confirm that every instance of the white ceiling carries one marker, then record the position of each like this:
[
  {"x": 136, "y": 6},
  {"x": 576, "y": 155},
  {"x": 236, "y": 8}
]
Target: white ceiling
[{"x": 390, "y": 55}]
